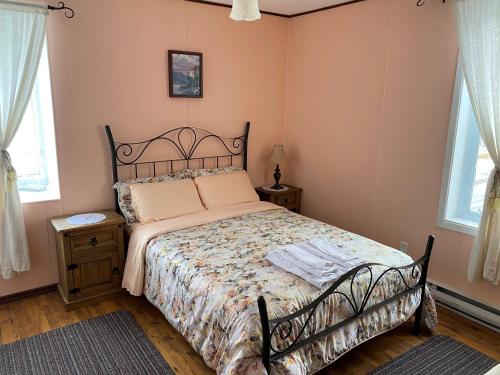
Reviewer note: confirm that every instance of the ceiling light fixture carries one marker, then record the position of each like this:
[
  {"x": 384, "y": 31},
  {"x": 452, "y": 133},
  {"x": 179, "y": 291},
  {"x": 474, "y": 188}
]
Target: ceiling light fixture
[{"x": 245, "y": 10}]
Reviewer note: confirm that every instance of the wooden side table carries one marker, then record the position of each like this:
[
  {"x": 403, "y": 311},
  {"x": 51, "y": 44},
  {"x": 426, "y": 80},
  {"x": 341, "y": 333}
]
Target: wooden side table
[
  {"x": 90, "y": 259},
  {"x": 289, "y": 198}
]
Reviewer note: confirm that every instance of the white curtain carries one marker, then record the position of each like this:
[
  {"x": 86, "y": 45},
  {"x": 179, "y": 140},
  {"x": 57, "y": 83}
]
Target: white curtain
[
  {"x": 22, "y": 35},
  {"x": 478, "y": 23}
]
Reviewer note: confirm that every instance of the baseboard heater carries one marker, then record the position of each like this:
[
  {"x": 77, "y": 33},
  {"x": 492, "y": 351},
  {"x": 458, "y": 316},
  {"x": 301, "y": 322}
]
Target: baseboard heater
[{"x": 469, "y": 308}]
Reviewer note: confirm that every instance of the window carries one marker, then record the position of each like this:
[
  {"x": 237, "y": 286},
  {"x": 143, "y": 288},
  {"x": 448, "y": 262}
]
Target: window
[
  {"x": 467, "y": 166},
  {"x": 33, "y": 149}
]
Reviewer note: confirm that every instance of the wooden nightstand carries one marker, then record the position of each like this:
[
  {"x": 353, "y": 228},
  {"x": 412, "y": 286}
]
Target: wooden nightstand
[
  {"x": 289, "y": 198},
  {"x": 90, "y": 259}
]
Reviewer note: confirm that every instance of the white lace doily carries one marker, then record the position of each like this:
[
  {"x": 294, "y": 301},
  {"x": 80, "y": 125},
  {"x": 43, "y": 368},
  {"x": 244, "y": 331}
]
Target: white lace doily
[
  {"x": 84, "y": 219},
  {"x": 269, "y": 188}
]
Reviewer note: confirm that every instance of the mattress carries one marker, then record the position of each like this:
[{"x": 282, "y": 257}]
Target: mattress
[{"x": 206, "y": 279}]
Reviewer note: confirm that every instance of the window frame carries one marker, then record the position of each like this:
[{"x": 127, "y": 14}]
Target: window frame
[
  {"x": 464, "y": 221},
  {"x": 48, "y": 136}
]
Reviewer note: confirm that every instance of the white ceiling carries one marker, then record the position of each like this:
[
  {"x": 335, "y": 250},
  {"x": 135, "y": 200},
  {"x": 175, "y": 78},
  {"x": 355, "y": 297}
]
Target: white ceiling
[{"x": 289, "y": 7}]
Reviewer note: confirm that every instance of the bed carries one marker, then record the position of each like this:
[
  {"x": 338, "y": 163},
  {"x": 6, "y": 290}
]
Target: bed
[{"x": 208, "y": 274}]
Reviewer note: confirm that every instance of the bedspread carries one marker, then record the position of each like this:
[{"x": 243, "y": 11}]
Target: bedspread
[
  {"x": 206, "y": 281},
  {"x": 142, "y": 234}
]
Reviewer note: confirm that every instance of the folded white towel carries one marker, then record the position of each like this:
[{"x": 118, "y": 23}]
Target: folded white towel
[
  {"x": 317, "y": 261},
  {"x": 277, "y": 258},
  {"x": 301, "y": 257},
  {"x": 328, "y": 251}
]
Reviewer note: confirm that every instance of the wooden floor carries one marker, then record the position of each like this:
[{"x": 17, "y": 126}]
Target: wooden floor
[{"x": 34, "y": 315}]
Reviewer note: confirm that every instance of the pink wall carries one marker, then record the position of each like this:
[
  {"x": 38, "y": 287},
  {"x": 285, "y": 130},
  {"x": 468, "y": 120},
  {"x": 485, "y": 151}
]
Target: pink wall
[
  {"x": 109, "y": 66},
  {"x": 369, "y": 90},
  {"x": 368, "y": 94}
]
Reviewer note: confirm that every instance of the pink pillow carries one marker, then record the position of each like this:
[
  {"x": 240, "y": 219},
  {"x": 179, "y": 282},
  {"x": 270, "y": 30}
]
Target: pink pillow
[
  {"x": 164, "y": 200},
  {"x": 226, "y": 189}
]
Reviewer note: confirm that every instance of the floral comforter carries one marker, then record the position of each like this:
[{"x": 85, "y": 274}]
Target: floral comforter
[{"x": 206, "y": 281}]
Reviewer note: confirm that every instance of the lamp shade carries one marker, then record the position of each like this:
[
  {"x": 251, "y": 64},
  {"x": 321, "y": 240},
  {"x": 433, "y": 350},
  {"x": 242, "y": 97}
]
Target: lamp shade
[
  {"x": 278, "y": 155},
  {"x": 245, "y": 10}
]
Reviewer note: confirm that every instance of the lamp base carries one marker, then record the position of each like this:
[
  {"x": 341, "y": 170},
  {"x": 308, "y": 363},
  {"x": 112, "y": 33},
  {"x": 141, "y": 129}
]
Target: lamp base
[
  {"x": 277, "y": 187},
  {"x": 277, "y": 176}
]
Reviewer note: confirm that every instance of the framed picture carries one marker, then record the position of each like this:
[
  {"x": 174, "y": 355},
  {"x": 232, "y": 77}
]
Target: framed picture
[{"x": 185, "y": 71}]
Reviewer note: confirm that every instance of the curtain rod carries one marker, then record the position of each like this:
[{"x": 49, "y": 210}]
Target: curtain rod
[
  {"x": 68, "y": 12},
  {"x": 422, "y": 2}
]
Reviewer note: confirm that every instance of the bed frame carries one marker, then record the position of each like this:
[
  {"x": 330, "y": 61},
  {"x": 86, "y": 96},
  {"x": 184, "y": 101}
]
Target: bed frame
[
  {"x": 283, "y": 326},
  {"x": 413, "y": 276},
  {"x": 130, "y": 154}
]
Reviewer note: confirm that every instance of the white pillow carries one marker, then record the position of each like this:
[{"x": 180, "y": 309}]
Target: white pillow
[
  {"x": 226, "y": 189},
  {"x": 164, "y": 200}
]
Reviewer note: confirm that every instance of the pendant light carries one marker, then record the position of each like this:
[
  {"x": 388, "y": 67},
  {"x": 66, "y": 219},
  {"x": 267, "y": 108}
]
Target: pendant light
[{"x": 245, "y": 10}]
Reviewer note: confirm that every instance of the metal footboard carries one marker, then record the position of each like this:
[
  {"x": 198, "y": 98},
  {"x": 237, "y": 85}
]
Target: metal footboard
[{"x": 283, "y": 326}]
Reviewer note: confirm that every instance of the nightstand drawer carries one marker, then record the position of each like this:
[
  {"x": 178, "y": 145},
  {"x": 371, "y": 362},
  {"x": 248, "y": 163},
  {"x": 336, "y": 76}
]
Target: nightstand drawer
[
  {"x": 289, "y": 198},
  {"x": 89, "y": 239},
  {"x": 285, "y": 200}
]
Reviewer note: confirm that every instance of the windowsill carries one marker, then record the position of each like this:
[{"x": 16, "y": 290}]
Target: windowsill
[
  {"x": 458, "y": 224},
  {"x": 39, "y": 196}
]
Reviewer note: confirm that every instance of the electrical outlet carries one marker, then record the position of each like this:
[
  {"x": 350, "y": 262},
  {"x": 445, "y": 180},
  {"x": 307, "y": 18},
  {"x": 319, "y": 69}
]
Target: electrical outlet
[{"x": 403, "y": 247}]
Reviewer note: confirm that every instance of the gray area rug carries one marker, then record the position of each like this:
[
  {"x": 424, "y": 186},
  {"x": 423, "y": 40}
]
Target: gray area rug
[
  {"x": 110, "y": 344},
  {"x": 439, "y": 355}
]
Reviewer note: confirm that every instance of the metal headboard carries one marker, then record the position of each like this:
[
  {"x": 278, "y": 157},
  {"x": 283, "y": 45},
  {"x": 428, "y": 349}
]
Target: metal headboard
[{"x": 127, "y": 154}]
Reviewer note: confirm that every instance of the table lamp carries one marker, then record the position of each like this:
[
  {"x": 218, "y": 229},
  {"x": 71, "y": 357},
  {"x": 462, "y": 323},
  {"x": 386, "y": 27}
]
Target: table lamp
[{"x": 277, "y": 158}]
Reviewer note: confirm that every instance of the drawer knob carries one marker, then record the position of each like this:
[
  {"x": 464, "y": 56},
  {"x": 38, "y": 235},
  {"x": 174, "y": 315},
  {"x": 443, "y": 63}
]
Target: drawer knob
[
  {"x": 115, "y": 271},
  {"x": 286, "y": 200},
  {"x": 93, "y": 241}
]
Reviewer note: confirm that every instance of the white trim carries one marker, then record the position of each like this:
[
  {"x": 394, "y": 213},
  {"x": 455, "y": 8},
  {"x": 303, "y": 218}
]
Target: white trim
[
  {"x": 56, "y": 184},
  {"x": 450, "y": 148},
  {"x": 39, "y": 196},
  {"x": 458, "y": 224}
]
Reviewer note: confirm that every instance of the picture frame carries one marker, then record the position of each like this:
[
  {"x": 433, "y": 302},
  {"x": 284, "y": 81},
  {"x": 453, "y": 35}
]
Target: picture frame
[{"x": 185, "y": 72}]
